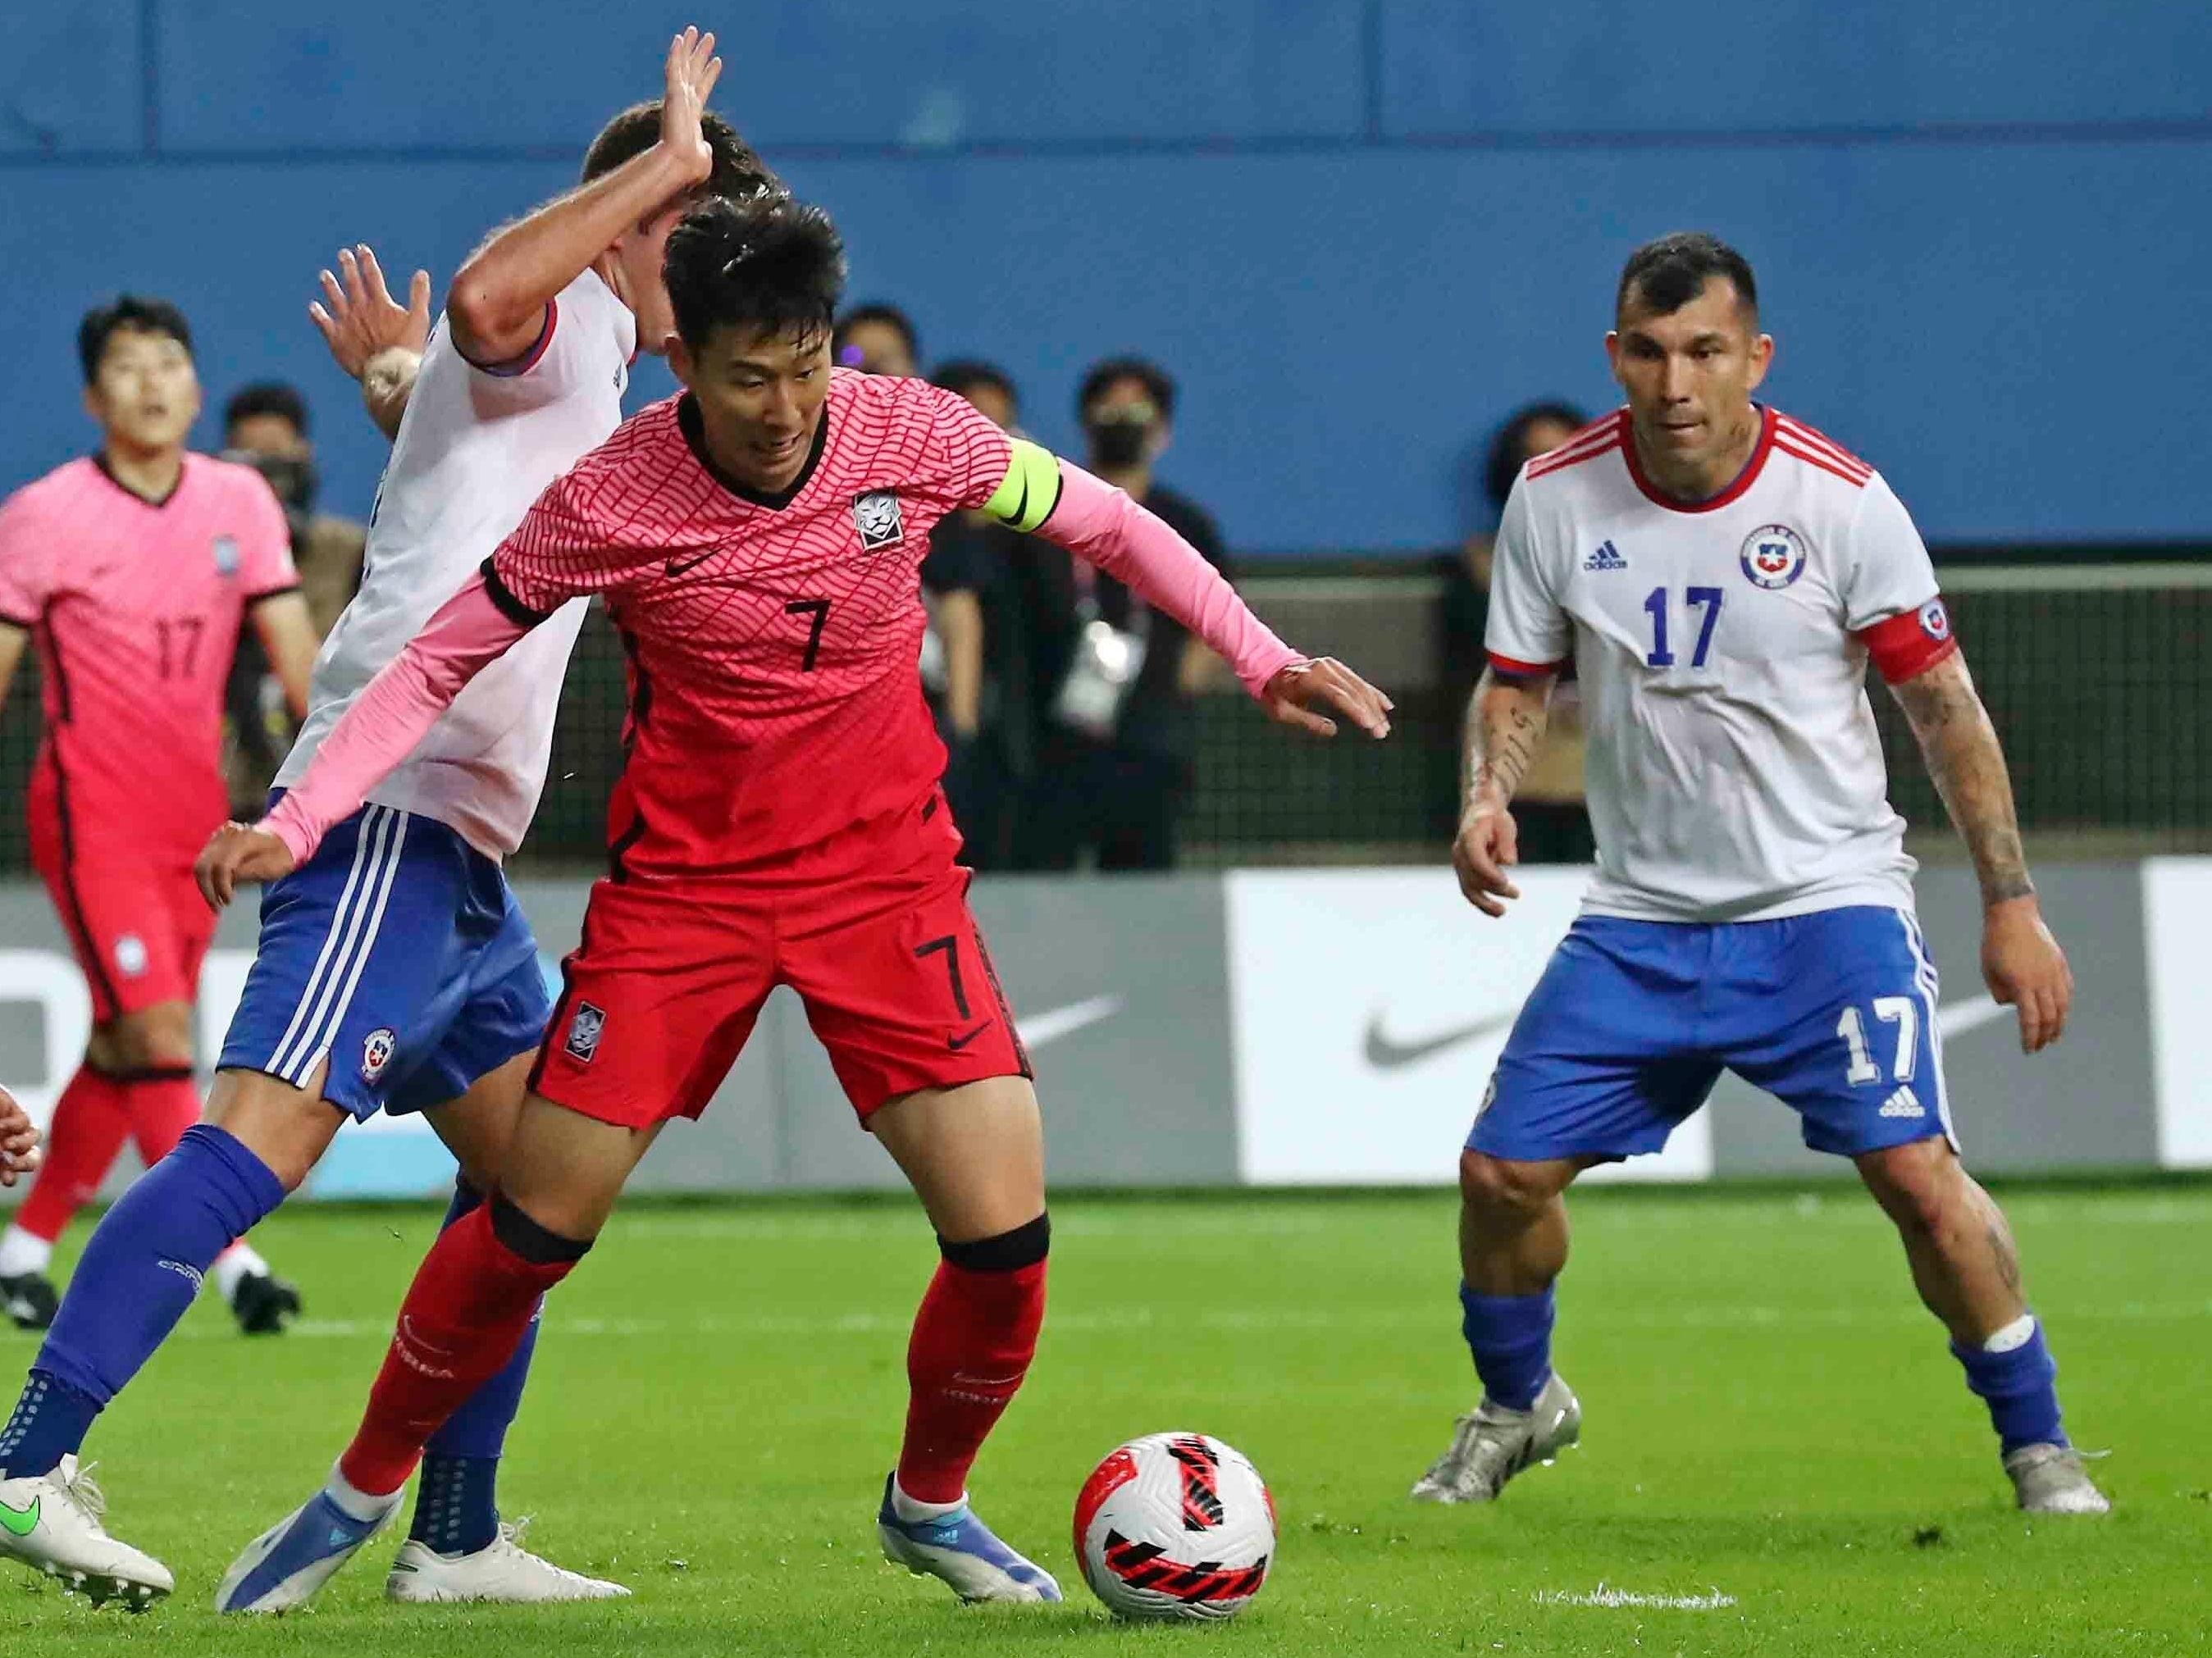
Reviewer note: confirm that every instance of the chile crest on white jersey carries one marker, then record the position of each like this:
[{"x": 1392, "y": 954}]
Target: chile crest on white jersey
[
  {"x": 1734, "y": 770},
  {"x": 477, "y": 448}
]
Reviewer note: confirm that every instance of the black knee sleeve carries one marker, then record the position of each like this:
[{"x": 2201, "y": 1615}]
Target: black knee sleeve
[
  {"x": 527, "y": 1239},
  {"x": 1009, "y": 1252}
]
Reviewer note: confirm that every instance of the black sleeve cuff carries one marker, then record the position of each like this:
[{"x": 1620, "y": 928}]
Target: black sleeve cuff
[
  {"x": 24, "y": 622},
  {"x": 509, "y": 606},
  {"x": 272, "y": 593}
]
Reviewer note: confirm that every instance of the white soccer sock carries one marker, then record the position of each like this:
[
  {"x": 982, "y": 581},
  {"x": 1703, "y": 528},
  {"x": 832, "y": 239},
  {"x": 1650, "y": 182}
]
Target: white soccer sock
[
  {"x": 2015, "y": 1335},
  {"x": 237, "y": 1262},
  {"x": 913, "y": 1510},
  {"x": 23, "y": 1252},
  {"x": 362, "y": 1505}
]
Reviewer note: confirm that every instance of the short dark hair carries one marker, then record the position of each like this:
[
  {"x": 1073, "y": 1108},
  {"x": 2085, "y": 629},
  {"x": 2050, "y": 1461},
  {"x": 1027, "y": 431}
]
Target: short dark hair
[
  {"x": 964, "y": 374},
  {"x": 1160, "y": 385},
  {"x": 1504, "y": 463},
  {"x": 133, "y": 311},
  {"x": 770, "y": 263},
  {"x": 267, "y": 397},
  {"x": 1668, "y": 273},
  {"x": 737, "y": 171},
  {"x": 876, "y": 311}
]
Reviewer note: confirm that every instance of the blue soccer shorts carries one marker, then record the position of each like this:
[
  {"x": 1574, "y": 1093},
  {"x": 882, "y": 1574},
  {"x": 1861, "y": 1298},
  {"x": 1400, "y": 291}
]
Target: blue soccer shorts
[
  {"x": 1833, "y": 1012},
  {"x": 398, "y": 953}
]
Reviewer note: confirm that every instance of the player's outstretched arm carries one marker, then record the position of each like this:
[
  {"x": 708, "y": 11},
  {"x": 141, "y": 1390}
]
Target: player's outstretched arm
[
  {"x": 2021, "y": 960},
  {"x": 395, "y": 711},
  {"x": 372, "y": 336},
  {"x": 19, "y": 1141},
  {"x": 496, "y": 307},
  {"x": 1103, "y": 526},
  {"x": 1505, "y": 722}
]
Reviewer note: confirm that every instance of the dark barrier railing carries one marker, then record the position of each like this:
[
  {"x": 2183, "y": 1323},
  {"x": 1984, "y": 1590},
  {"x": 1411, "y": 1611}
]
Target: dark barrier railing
[{"x": 2096, "y": 674}]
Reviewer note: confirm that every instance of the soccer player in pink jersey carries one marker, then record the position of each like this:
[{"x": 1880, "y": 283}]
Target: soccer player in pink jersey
[
  {"x": 133, "y": 569},
  {"x": 758, "y": 541}
]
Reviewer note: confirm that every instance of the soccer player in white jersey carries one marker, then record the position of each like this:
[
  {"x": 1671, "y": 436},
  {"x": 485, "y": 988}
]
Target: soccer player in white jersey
[
  {"x": 395, "y": 972},
  {"x": 1721, "y": 574}
]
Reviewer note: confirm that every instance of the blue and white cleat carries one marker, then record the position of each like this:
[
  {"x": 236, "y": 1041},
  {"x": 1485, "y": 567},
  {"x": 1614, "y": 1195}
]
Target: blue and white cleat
[
  {"x": 961, "y": 1550},
  {"x": 284, "y": 1566}
]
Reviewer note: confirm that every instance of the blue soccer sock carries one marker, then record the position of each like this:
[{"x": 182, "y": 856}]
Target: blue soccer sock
[
  {"x": 2018, "y": 1379},
  {"x": 139, "y": 1272},
  {"x": 456, "y": 1502},
  {"x": 1510, "y": 1337}
]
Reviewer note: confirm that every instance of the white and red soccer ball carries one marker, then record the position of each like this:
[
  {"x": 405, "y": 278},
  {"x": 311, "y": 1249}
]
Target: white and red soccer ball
[{"x": 1175, "y": 1525}]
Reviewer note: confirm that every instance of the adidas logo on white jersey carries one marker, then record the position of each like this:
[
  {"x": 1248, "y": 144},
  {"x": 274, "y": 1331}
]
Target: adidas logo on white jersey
[
  {"x": 1903, "y": 1103},
  {"x": 1607, "y": 557}
]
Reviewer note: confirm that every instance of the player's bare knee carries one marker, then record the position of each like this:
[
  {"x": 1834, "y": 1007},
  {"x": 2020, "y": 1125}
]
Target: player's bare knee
[
  {"x": 1500, "y": 1191},
  {"x": 153, "y": 1038},
  {"x": 288, "y": 1128},
  {"x": 1920, "y": 1185}
]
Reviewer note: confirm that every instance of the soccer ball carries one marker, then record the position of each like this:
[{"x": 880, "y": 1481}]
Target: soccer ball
[{"x": 1175, "y": 1526}]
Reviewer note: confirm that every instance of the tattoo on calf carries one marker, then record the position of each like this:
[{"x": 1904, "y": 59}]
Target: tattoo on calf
[{"x": 2007, "y": 1256}]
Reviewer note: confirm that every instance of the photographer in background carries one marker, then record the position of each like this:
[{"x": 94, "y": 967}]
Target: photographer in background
[
  {"x": 264, "y": 426},
  {"x": 1121, "y": 732}
]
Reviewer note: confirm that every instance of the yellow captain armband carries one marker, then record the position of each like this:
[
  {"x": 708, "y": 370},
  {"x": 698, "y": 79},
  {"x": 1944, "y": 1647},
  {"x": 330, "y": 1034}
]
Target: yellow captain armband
[{"x": 1030, "y": 490}]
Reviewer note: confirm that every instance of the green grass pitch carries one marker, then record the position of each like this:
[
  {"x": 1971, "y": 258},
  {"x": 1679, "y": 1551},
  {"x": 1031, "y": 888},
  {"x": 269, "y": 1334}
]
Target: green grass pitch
[{"x": 1771, "y": 1419}]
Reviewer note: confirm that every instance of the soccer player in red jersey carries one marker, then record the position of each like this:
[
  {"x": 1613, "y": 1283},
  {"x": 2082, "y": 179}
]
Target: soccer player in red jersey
[
  {"x": 758, "y": 542},
  {"x": 133, "y": 569}
]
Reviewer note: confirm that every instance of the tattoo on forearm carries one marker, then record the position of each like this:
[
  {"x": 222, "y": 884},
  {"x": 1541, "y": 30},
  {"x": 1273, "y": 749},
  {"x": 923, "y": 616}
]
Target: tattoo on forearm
[
  {"x": 1963, "y": 755},
  {"x": 1503, "y": 732}
]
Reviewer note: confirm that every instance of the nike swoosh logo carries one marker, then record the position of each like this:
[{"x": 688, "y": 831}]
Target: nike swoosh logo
[
  {"x": 1053, "y": 1024},
  {"x": 1385, "y": 1054},
  {"x": 955, "y": 1043},
  {"x": 677, "y": 567},
  {"x": 20, "y": 1522}
]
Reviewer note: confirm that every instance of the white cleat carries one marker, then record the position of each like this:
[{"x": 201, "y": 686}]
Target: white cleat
[
  {"x": 284, "y": 1566},
  {"x": 51, "y": 1522},
  {"x": 1491, "y": 1444},
  {"x": 2051, "y": 1479},
  {"x": 502, "y": 1571}
]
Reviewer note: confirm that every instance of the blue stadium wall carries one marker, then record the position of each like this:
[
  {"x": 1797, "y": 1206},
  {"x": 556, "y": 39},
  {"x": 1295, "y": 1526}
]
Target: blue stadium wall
[{"x": 1359, "y": 230}]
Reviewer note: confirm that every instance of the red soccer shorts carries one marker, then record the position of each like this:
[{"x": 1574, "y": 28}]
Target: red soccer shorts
[
  {"x": 666, "y": 986},
  {"x": 137, "y": 925}
]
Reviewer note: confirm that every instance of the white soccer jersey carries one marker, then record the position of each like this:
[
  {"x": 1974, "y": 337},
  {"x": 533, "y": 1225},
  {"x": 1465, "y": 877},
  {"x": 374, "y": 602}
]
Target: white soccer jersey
[
  {"x": 1734, "y": 768},
  {"x": 476, "y": 448}
]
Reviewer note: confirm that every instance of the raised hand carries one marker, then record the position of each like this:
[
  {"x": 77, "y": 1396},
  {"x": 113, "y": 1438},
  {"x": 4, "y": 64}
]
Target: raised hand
[
  {"x": 359, "y": 318},
  {"x": 693, "y": 69},
  {"x": 19, "y": 1141},
  {"x": 236, "y": 852},
  {"x": 1293, "y": 694},
  {"x": 2026, "y": 969}
]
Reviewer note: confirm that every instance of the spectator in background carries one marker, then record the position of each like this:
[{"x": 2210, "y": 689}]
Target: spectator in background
[
  {"x": 1120, "y": 718},
  {"x": 974, "y": 659},
  {"x": 876, "y": 339},
  {"x": 264, "y": 426},
  {"x": 1554, "y": 824}
]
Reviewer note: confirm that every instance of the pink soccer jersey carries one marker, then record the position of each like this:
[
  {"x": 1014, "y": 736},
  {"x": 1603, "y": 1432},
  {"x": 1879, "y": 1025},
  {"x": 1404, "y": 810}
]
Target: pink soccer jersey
[
  {"x": 135, "y": 606},
  {"x": 772, "y": 640}
]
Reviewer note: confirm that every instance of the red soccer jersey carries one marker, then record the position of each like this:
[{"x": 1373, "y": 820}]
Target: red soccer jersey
[
  {"x": 135, "y": 607},
  {"x": 773, "y": 641}
]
